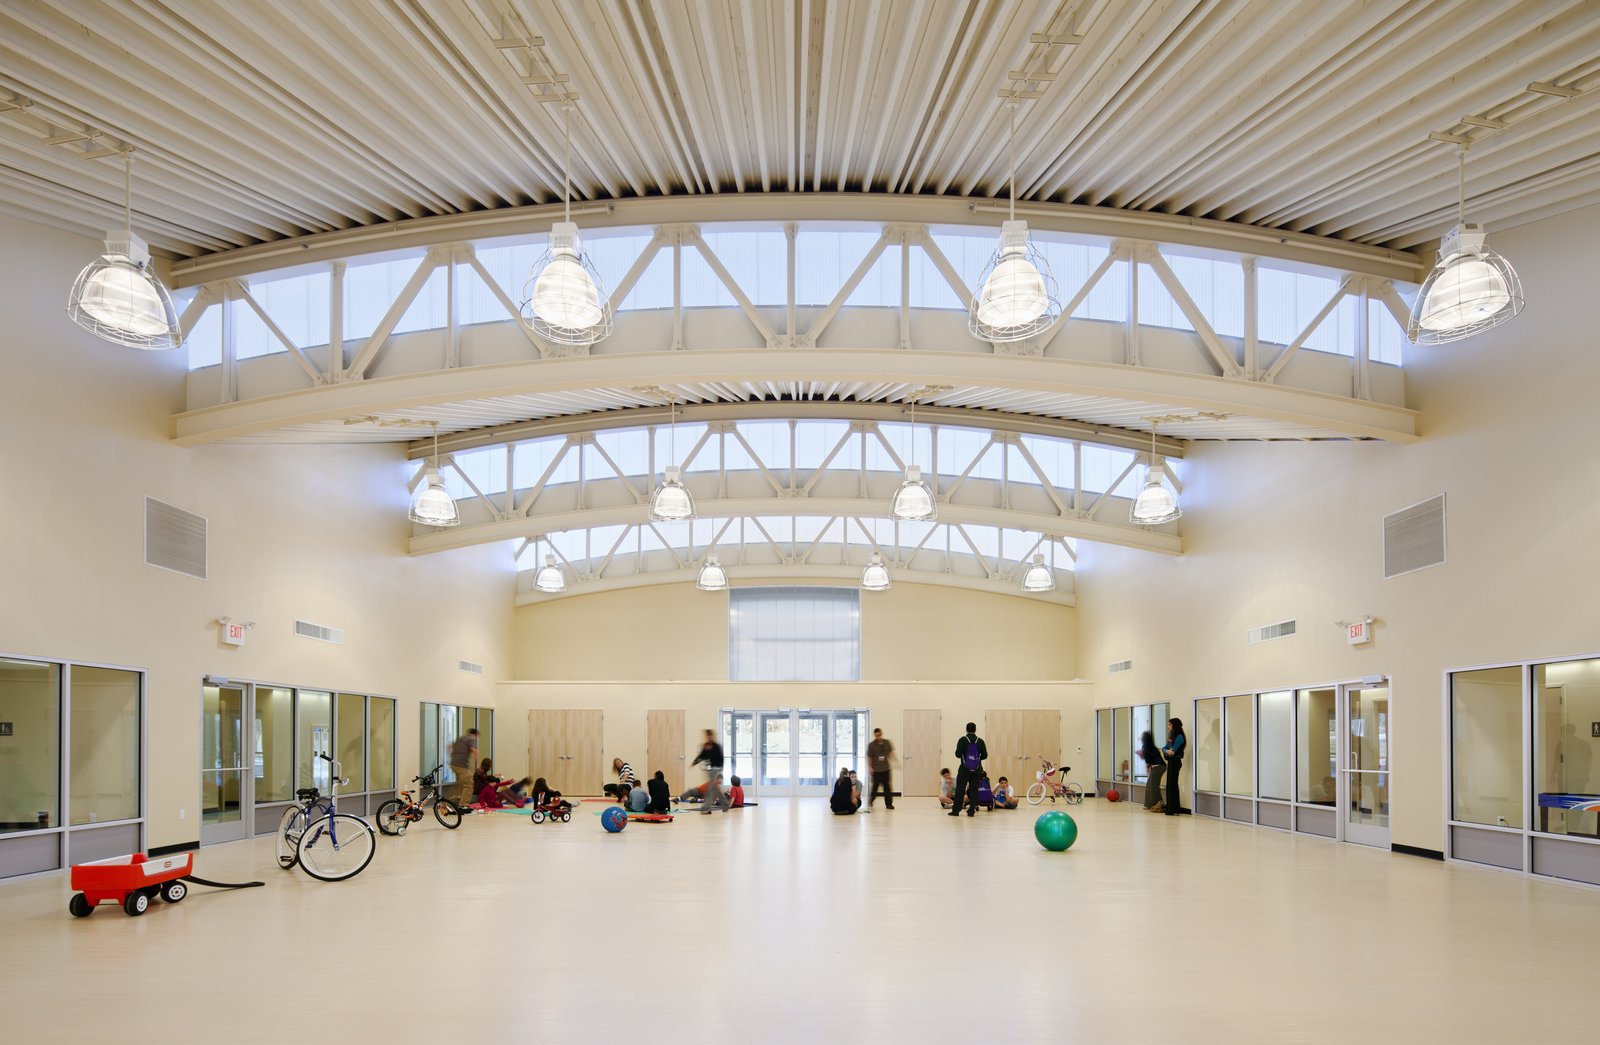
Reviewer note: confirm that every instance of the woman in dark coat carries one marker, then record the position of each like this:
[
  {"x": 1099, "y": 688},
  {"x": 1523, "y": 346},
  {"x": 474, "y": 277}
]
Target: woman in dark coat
[
  {"x": 1155, "y": 765},
  {"x": 843, "y": 802},
  {"x": 1177, "y": 745}
]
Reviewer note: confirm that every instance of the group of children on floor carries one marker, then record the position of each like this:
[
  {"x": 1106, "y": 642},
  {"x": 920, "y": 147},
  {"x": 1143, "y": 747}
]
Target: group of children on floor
[
  {"x": 1000, "y": 796},
  {"x": 493, "y": 791},
  {"x": 654, "y": 796}
]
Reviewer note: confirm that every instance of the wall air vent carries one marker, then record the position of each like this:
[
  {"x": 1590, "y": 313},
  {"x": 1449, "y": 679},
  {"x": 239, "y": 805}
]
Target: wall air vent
[
  {"x": 1121, "y": 665},
  {"x": 174, "y": 539},
  {"x": 467, "y": 665},
  {"x": 1413, "y": 538},
  {"x": 1280, "y": 630},
  {"x": 320, "y": 632}
]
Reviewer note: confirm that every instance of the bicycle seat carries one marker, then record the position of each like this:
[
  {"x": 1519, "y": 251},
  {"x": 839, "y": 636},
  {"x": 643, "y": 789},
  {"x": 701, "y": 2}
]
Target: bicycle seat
[{"x": 307, "y": 793}]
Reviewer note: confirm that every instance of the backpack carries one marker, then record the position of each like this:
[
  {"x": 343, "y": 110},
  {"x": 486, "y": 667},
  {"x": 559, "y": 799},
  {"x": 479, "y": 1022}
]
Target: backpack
[{"x": 972, "y": 759}]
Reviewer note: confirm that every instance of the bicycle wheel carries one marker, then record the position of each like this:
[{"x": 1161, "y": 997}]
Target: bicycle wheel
[
  {"x": 288, "y": 838},
  {"x": 391, "y": 817},
  {"x": 1035, "y": 793},
  {"x": 337, "y": 847},
  {"x": 447, "y": 813},
  {"x": 1074, "y": 794}
]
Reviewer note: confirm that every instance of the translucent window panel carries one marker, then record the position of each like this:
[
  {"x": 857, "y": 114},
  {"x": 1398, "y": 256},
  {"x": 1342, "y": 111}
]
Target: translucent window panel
[
  {"x": 1288, "y": 301},
  {"x": 674, "y": 444},
  {"x": 350, "y": 732},
  {"x": 790, "y": 634},
  {"x": 298, "y": 305},
  {"x": 1141, "y": 726},
  {"x": 30, "y": 758},
  {"x": 825, "y": 258},
  {"x": 486, "y": 469},
  {"x": 815, "y": 440},
  {"x": 1566, "y": 756},
  {"x": 429, "y": 739},
  {"x": 274, "y": 744},
  {"x": 1105, "y": 750},
  {"x": 1486, "y": 746},
  {"x": 103, "y": 765},
  {"x": 1207, "y": 742},
  {"x": 1102, "y": 466},
  {"x": 770, "y": 440},
  {"x": 370, "y": 291},
  {"x": 918, "y": 451},
  {"x": 1386, "y": 338},
  {"x": 1238, "y": 760},
  {"x": 533, "y": 458},
  {"x": 1054, "y": 457},
  {"x": 1121, "y": 722},
  {"x": 380, "y": 744},
  {"x": 314, "y": 736},
  {"x": 1275, "y": 744},
  {"x": 1316, "y": 746},
  {"x": 756, "y": 256}
]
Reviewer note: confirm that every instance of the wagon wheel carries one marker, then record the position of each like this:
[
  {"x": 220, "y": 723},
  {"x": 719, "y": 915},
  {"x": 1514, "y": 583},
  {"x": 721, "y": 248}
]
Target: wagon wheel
[
  {"x": 136, "y": 903},
  {"x": 80, "y": 906},
  {"x": 174, "y": 891}
]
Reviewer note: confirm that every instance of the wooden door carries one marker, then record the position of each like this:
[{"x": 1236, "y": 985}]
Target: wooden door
[
  {"x": 920, "y": 749},
  {"x": 1041, "y": 735},
  {"x": 545, "y": 746},
  {"x": 1004, "y": 733},
  {"x": 665, "y": 745},
  {"x": 564, "y": 748}
]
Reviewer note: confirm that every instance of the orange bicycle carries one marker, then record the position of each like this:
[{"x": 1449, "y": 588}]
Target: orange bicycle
[{"x": 397, "y": 814}]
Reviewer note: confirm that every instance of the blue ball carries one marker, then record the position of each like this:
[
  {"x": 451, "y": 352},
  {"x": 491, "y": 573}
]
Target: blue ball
[{"x": 614, "y": 819}]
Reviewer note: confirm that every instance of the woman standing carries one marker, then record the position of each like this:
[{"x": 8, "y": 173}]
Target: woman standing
[
  {"x": 1154, "y": 765},
  {"x": 1177, "y": 743}
]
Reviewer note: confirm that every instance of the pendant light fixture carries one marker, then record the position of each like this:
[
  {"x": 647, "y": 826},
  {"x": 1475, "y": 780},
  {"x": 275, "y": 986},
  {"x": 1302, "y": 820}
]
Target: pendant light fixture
[
  {"x": 1016, "y": 296},
  {"x": 712, "y": 576},
  {"x": 1039, "y": 576},
  {"x": 1156, "y": 503},
  {"x": 671, "y": 501},
  {"x": 567, "y": 300},
  {"x": 433, "y": 505},
  {"x": 913, "y": 501},
  {"x": 1471, "y": 288},
  {"x": 550, "y": 579},
  {"x": 116, "y": 297},
  {"x": 876, "y": 576}
]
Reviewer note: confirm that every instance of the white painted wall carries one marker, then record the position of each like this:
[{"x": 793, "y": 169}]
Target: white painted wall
[
  {"x": 1281, "y": 530},
  {"x": 314, "y": 532}
]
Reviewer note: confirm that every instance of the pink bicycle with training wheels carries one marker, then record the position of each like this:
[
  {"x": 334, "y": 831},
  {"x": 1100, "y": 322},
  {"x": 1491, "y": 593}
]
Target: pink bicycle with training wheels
[{"x": 1053, "y": 784}]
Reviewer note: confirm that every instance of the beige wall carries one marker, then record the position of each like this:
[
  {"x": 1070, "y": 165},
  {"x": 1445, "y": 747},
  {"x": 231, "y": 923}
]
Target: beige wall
[
  {"x": 1284, "y": 530},
  {"x": 310, "y": 532}
]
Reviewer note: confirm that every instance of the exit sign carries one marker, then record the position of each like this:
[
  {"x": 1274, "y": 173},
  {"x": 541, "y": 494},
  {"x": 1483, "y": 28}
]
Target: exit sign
[
  {"x": 1358, "y": 632},
  {"x": 233, "y": 634}
]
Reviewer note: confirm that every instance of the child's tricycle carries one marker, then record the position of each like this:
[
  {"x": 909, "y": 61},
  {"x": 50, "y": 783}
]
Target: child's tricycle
[{"x": 132, "y": 881}]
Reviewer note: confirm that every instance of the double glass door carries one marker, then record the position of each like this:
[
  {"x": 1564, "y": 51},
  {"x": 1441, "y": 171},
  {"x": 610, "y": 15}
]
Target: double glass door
[
  {"x": 227, "y": 763},
  {"x": 801, "y": 752}
]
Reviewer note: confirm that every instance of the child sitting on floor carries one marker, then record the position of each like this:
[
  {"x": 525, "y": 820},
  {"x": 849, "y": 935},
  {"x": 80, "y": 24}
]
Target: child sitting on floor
[
  {"x": 1005, "y": 796},
  {"x": 946, "y": 786},
  {"x": 736, "y": 795}
]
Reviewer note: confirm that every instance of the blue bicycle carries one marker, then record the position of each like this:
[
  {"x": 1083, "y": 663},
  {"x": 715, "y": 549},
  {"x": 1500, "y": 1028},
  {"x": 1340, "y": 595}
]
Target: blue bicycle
[{"x": 328, "y": 845}]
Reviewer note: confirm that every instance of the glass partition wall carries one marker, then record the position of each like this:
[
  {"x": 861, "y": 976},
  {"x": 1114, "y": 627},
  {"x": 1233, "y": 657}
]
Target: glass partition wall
[
  {"x": 442, "y": 724},
  {"x": 1117, "y": 742},
  {"x": 1525, "y": 768},
  {"x": 71, "y": 764}
]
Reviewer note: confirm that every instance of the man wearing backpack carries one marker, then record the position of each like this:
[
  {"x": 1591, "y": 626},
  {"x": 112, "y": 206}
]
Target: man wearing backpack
[{"x": 970, "y": 753}]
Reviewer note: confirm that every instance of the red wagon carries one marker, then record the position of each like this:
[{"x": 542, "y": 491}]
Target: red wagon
[{"x": 132, "y": 881}]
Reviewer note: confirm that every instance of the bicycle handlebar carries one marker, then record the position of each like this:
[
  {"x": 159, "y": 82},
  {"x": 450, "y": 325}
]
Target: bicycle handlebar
[{"x": 431, "y": 772}]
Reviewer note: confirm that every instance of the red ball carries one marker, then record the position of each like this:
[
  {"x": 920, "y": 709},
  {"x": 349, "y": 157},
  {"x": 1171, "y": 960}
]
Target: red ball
[{"x": 1112, "y": 796}]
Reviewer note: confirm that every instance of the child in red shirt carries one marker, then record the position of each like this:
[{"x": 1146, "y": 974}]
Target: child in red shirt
[{"x": 736, "y": 795}]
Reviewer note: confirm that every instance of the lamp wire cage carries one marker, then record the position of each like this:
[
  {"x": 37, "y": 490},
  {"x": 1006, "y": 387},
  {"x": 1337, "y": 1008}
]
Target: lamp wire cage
[
  {"x": 875, "y": 577},
  {"x": 433, "y": 505},
  {"x": 550, "y": 579},
  {"x": 1156, "y": 503},
  {"x": 565, "y": 301},
  {"x": 1017, "y": 297},
  {"x": 116, "y": 297},
  {"x": 1471, "y": 289}
]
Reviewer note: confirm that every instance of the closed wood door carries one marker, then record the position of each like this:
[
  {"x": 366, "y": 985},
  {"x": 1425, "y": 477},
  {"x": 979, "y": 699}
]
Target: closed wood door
[
  {"x": 920, "y": 749},
  {"x": 664, "y": 747},
  {"x": 564, "y": 747},
  {"x": 1005, "y": 735},
  {"x": 1041, "y": 736}
]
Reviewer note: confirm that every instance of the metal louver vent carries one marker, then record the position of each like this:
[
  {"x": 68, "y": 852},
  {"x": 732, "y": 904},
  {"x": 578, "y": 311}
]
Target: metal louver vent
[
  {"x": 1281, "y": 630},
  {"x": 467, "y": 665},
  {"x": 1413, "y": 538},
  {"x": 174, "y": 539},
  {"x": 321, "y": 632},
  {"x": 1121, "y": 665}
]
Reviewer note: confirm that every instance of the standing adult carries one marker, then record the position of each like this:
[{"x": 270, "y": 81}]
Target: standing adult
[
  {"x": 970, "y": 753},
  {"x": 879, "y": 751},
  {"x": 711, "y": 756},
  {"x": 1177, "y": 743},
  {"x": 463, "y": 753},
  {"x": 1154, "y": 764}
]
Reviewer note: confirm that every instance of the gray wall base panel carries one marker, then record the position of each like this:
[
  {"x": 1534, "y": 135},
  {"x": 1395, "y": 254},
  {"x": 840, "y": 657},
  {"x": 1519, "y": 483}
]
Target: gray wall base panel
[
  {"x": 1559, "y": 858},
  {"x": 85, "y": 845},
  {"x": 1496, "y": 848},
  {"x": 29, "y": 853},
  {"x": 1208, "y": 805},
  {"x": 1269, "y": 815},
  {"x": 1324, "y": 822},
  {"x": 1241, "y": 809}
]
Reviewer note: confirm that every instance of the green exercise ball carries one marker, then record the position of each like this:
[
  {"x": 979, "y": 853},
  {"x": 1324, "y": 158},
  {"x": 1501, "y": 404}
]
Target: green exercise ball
[{"x": 1055, "y": 830}]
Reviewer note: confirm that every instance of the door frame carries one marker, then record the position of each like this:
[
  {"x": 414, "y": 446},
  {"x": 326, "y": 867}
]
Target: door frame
[
  {"x": 830, "y": 756},
  {"x": 244, "y": 826},
  {"x": 1363, "y": 834}
]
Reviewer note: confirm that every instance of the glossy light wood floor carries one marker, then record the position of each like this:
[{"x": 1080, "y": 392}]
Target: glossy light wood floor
[{"x": 786, "y": 924}]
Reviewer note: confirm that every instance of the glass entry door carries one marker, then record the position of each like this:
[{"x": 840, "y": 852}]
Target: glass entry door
[
  {"x": 1365, "y": 780},
  {"x": 227, "y": 763},
  {"x": 801, "y": 752}
]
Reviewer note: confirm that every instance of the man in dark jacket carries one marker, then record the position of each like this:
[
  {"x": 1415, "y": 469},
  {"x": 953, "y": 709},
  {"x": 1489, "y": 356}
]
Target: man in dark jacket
[
  {"x": 970, "y": 753},
  {"x": 660, "y": 794},
  {"x": 711, "y": 755}
]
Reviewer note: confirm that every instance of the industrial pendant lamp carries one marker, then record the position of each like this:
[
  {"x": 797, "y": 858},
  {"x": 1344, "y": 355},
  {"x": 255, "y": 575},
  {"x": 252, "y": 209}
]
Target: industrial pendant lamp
[
  {"x": 1016, "y": 296},
  {"x": 550, "y": 579},
  {"x": 116, "y": 297},
  {"x": 1471, "y": 288},
  {"x": 712, "y": 576},
  {"x": 433, "y": 505},
  {"x": 1156, "y": 504},
  {"x": 671, "y": 501},
  {"x": 567, "y": 300},
  {"x": 913, "y": 502},
  {"x": 1039, "y": 576},
  {"x": 876, "y": 576}
]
